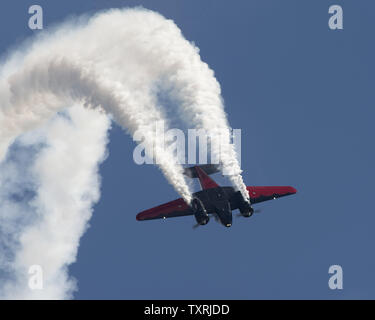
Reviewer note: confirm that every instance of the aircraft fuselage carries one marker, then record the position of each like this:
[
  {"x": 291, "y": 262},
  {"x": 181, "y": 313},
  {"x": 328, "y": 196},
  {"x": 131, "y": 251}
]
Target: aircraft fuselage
[{"x": 220, "y": 201}]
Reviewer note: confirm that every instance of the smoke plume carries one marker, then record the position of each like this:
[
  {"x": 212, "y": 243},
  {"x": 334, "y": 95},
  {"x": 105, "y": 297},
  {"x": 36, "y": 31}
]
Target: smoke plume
[{"x": 114, "y": 62}]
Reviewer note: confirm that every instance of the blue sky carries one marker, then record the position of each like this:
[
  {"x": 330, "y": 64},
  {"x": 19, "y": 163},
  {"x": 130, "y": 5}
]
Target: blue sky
[{"x": 303, "y": 96}]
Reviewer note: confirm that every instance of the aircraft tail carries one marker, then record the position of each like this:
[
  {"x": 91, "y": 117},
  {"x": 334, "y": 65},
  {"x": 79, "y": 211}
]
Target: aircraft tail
[{"x": 207, "y": 168}]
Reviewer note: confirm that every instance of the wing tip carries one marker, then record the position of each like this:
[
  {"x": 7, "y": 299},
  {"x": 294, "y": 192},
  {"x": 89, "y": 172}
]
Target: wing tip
[
  {"x": 139, "y": 217},
  {"x": 292, "y": 190}
]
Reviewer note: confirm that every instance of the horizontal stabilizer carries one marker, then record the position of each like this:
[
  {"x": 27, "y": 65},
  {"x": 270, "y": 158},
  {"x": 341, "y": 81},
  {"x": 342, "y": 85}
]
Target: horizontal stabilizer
[{"x": 207, "y": 168}]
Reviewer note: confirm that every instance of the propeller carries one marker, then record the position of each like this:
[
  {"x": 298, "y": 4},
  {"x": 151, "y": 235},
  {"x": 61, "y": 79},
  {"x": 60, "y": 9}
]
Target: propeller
[
  {"x": 255, "y": 211},
  {"x": 215, "y": 216}
]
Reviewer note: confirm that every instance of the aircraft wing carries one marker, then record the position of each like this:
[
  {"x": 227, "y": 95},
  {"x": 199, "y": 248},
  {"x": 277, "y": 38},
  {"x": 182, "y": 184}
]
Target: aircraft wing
[
  {"x": 260, "y": 194},
  {"x": 175, "y": 208}
]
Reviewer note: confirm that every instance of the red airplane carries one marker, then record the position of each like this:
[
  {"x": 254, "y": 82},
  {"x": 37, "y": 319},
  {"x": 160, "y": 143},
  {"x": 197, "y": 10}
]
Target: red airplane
[{"x": 214, "y": 199}]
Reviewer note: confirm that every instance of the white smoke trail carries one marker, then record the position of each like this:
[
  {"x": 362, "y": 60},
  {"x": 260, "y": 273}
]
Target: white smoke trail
[
  {"x": 128, "y": 52},
  {"x": 114, "y": 61},
  {"x": 193, "y": 83},
  {"x": 66, "y": 184},
  {"x": 74, "y": 64}
]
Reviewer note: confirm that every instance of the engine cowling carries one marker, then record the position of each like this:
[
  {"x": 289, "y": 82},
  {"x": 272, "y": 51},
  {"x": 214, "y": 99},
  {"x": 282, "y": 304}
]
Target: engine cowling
[
  {"x": 200, "y": 212},
  {"x": 245, "y": 209}
]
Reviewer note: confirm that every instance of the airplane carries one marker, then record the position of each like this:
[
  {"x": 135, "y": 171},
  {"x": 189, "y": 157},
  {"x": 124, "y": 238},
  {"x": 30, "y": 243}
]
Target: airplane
[{"x": 214, "y": 199}]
